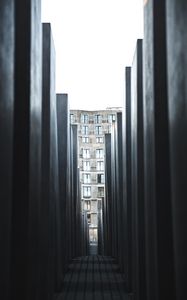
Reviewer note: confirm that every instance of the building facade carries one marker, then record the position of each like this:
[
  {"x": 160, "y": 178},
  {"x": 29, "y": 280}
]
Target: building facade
[{"x": 92, "y": 127}]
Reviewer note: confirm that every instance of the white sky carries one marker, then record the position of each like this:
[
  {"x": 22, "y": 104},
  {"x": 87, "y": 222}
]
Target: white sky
[{"x": 94, "y": 41}]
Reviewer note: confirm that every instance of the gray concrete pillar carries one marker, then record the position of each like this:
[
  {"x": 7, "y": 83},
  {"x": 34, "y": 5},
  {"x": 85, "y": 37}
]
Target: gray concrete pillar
[
  {"x": 7, "y": 33},
  {"x": 26, "y": 169},
  {"x": 63, "y": 149},
  {"x": 108, "y": 193},
  {"x": 177, "y": 89},
  {"x": 137, "y": 173},
  {"x": 127, "y": 177},
  {"x": 50, "y": 181},
  {"x": 158, "y": 217}
]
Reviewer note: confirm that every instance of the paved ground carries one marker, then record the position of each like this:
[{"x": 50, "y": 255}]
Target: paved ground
[{"x": 93, "y": 278}]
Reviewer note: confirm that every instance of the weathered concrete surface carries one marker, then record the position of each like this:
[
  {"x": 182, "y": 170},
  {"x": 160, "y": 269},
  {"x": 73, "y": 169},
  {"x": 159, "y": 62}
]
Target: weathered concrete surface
[
  {"x": 50, "y": 226},
  {"x": 177, "y": 101},
  {"x": 108, "y": 193},
  {"x": 137, "y": 173},
  {"x": 63, "y": 126},
  {"x": 6, "y": 138},
  {"x": 159, "y": 243},
  {"x": 26, "y": 151},
  {"x": 127, "y": 179}
]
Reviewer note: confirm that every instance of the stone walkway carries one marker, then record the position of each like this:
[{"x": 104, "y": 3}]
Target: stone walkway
[{"x": 93, "y": 278}]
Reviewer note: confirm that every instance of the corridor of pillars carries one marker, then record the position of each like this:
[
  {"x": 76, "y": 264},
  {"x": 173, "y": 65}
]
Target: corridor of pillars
[{"x": 44, "y": 237}]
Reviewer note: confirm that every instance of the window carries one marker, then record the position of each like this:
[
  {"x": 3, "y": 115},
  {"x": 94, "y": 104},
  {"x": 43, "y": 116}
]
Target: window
[
  {"x": 111, "y": 118},
  {"x": 72, "y": 118},
  {"x": 98, "y": 119},
  {"x": 100, "y": 166},
  {"x": 86, "y": 191},
  {"x": 87, "y": 205},
  {"x": 85, "y": 130},
  {"x": 86, "y": 166},
  {"x": 86, "y": 153},
  {"x": 84, "y": 118},
  {"x": 100, "y": 178},
  {"x": 85, "y": 139},
  {"x": 89, "y": 218},
  {"x": 100, "y": 192},
  {"x": 86, "y": 178},
  {"x": 99, "y": 153},
  {"x": 98, "y": 130},
  {"x": 99, "y": 140}
]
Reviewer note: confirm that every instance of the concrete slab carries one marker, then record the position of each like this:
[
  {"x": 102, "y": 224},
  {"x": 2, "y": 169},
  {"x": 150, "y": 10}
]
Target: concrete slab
[
  {"x": 137, "y": 173},
  {"x": 50, "y": 226},
  {"x": 177, "y": 89},
  {"x": 6, "y": 136},
  {"x": 26, "y": 173},
  {"x": 159, "y": 244}
]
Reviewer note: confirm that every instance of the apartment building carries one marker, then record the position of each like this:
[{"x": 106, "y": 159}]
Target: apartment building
[{"x": 92, "y": 126}]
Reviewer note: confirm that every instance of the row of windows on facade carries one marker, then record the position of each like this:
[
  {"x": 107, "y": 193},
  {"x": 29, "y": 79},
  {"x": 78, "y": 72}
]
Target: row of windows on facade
[
  {"x": 100, "y": 178},
  {"x": 85, "y": 153},
  {"x": 97, "y": 119},
  {"x": 87, "y": 140},
  {"x": 99, "y": 166},
  {"x": 98, "y": 130},
  {"x": 87, "y": 191}
]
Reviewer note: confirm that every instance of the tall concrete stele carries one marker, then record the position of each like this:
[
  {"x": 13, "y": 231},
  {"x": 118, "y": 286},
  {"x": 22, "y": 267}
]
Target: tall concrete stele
[{"x": 92, "y": 127}]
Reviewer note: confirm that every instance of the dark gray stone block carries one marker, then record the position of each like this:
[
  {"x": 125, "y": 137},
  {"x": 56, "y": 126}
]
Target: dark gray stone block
[
  {"x": 69, "y": 208},
  {"x": 6, "y": 137},
  {"x": 177, "y": 90},
  {"x": 104, "y": 223},
  {"x": 159, "y": 243},
  {"x": 50, "y": 220},
  {"x": 113, "y": 220},
  {"x": 75, "y": 200},
  {"x": 74, "y": 187},
  {"x": 119, "y": 192},
  {"x": 100, "y": 247},
  {"x": 84, "y": 234},
  {"x": 137, "y": 173},
  {"x": 78, "y": 215},
  {"x": 127, "y": 178},
  {"x": 26, "y": 151},
  {"x": 114, "y": 205},
  {"x": 108, "y": 193},
  {"x": 69, "y": 184},
  {"x": 63, "y": 149}
]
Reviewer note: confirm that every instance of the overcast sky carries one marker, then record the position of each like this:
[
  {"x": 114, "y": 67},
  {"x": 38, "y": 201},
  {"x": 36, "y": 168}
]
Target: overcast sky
[{"x": 94, "y": 41}]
